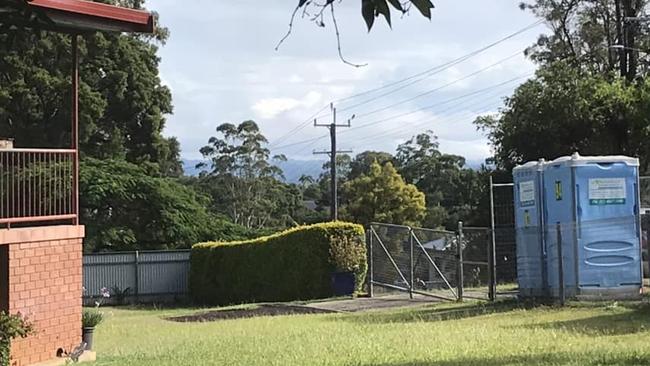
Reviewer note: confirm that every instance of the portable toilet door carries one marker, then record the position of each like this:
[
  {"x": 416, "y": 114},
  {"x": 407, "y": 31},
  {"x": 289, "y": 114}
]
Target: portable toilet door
[
  {"x": 560, "y": 236},
  {"x": 529, "y": 226},
  {"x": 608, "y": 225}
]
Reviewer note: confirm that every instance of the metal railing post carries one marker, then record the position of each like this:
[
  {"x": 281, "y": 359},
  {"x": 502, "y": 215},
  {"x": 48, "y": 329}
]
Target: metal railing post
[
  {"x": 492, "y": 267},
  {"x": 411, "y": 282},
  {"x": 371, "y": 289},
  {"x": 459, "y": 258},
  {"x": 75, "y": 128},
  {"x": 136, "y": 291},
  {"x": 560, "y": 264}
]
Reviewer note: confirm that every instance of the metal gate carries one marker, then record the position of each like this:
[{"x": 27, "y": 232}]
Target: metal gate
[{"x": 435, "y": 263}]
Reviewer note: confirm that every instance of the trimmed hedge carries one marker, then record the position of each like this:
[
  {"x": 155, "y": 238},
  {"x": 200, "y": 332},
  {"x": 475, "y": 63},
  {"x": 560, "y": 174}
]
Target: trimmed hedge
[{"x": 292, "y": 265}]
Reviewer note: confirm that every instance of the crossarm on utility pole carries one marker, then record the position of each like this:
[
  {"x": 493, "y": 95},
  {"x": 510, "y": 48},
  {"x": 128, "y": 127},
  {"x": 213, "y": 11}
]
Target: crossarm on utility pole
[{"x": 332, "y": 154}]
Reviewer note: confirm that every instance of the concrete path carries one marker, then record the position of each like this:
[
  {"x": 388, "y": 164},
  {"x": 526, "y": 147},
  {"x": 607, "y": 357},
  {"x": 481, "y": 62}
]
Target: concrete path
[{"x": 368, "y": 304}]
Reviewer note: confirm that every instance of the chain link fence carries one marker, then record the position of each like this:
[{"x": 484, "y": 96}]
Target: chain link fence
[
  {"x": 429, "y": 262},
  {"x": 476, "y": 244},
  {"x": 504, "y": 237}
]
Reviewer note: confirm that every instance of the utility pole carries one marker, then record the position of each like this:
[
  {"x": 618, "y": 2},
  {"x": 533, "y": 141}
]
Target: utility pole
[{"x": 334, "y": 210}]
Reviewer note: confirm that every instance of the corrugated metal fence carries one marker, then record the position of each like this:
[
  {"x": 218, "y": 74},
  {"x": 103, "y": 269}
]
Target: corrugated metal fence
[{"x": 148, "y": 276}]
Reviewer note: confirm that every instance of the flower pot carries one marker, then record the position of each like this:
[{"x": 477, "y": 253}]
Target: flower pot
[
  {"x": 87, "y": 337},
  {"x": 343, "y": 283}
]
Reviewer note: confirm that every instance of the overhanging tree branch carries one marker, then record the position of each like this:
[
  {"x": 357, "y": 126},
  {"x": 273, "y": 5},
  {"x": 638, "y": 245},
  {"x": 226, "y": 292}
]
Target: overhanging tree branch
[
  {"x": 370, "y": 9},
  {"x": 338, "y": 41}
]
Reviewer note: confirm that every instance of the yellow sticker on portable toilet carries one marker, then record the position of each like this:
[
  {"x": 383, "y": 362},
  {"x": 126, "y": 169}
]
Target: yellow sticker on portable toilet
[{"x": 558, "y": 190}]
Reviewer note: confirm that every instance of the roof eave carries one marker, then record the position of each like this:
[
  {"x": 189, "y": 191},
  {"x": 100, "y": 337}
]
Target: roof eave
[{"x": 78, "y": 15}]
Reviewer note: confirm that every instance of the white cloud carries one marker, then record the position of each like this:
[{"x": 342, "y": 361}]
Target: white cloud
[
  {"x": 233, "y": 73},
  {"x": 475, "y": 150},
  {"x": 269, "y": 108},
  {"x": 296, "y": 79}
]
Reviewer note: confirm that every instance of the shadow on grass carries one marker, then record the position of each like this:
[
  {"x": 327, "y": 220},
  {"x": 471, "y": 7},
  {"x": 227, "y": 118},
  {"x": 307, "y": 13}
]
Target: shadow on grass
[
  {"x": 620, "y": 319},
  {"x": 444, "y": 313},
  {"x": 537, "y": 359}
]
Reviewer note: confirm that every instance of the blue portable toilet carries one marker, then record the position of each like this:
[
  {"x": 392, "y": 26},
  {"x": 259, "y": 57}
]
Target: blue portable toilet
[
  {"x": 529, "y": 228},
  {"x": 592, "y": 205}
]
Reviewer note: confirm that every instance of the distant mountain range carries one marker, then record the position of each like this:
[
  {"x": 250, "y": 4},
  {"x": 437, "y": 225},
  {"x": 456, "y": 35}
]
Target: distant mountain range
[{"x": 293, "y": 169}]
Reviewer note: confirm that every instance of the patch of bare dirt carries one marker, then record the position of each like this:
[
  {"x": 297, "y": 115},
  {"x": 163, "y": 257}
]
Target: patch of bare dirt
[{"x": 261, "y": 310}]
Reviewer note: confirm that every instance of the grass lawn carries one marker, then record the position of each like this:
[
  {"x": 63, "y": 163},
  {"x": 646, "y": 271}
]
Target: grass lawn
[{"x": 443, "y": 334}]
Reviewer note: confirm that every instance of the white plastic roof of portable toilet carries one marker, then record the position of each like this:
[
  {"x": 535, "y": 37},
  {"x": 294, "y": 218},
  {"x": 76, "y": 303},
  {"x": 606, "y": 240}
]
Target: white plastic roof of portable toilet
[
  {"x": 531, "y": 165},
  {"x": 577, "y": 160}
]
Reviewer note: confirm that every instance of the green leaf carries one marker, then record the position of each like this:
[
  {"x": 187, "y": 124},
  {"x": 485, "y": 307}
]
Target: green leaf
[
  {"x": 397, "y": 5},
  {"x": 368, "y": 12},
  {"x": 424, "y": 6},
  {"x": 382, "y": 8}
]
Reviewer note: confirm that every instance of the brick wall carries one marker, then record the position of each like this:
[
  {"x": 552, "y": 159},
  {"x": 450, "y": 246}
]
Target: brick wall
[{"x": 45, "y": 284}]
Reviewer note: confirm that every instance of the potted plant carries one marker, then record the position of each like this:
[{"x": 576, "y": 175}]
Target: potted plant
[
  {"x": 343, "y": 283},
  {"x": 344, "y": 253},
  {"x": 90, "y": 318}
]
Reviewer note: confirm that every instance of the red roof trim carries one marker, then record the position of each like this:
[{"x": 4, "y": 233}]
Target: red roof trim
[{"x": 98, "y": 10}]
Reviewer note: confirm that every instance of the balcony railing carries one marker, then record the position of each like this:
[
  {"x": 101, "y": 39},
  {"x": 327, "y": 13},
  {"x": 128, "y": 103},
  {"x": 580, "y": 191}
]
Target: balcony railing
[{"x": 37, "y": 185}]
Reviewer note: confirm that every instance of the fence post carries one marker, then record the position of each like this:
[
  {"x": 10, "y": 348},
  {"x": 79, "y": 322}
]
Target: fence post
[
  {"x": 560, "y": 264},
  {"x": 136, "y": 291},
  {"x": 371, "y": 289},
  {"x": 411, "y": 283},
  {"x": 459, "y": 259},
  {"x": 492, "y": 265}
]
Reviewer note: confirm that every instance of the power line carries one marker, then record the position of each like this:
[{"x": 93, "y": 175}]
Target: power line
[
  {"x": 470, "y": 95},
  {"x": 410, "y": 126},
  {"x": 484, "y": 107},
  {"x": 446, "y": 64},
  {"x": 430, "y": 91},
  {"x": 422, "y": 75},
  {"x": 299, "y": 143},
  {"x": 440, "y": 103},
  {"x": 299, "y": 127}
]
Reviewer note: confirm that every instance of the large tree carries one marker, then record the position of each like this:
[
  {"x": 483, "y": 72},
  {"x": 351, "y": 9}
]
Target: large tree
[
  {"x": 563, "y": 110},
  {"x": 589, "y": 93},
  {"x": 450, "y": 187},
  {"x": 363, "y": 161},
  {"x": 596, "y": 36},
  {"x": 381, "y": 195},
  {"x": 124, "y": 207},
  {"x": 243, "y": 181},
  {"x": 122, "y": 100}
]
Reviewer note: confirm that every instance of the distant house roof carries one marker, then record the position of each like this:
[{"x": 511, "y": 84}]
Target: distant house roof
[
  {"x": 75, "y": 16},
  {"x": 310, "y": 204},
  {"x": 438, "y": 244}
]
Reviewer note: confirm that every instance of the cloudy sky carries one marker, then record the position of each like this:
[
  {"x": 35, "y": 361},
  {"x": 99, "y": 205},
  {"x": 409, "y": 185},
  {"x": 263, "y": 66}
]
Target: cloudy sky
[{"x": 221, "y": 66}]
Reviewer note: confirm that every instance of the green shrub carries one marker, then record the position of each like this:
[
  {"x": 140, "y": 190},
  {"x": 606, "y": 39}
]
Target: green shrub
[
  {"x": 292, "y": 265},
  {"x": 11, "y": 326},
  {"x": 91, "y": 318}
]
